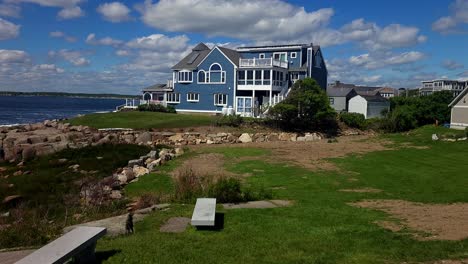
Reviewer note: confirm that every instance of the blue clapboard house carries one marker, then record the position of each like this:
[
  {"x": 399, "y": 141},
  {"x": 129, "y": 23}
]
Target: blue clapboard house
[{"x": 245, "y": 81}]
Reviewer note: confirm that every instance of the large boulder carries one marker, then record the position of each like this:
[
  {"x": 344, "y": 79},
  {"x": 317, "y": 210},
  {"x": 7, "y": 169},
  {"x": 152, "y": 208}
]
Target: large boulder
[
  {"x": 155, "y": 163},
  {"x": 28, "y": 153},
  {"x": 143, "y": 138},
  {"x": 139, "y": 171},
  {"x": 245, "y": 138}
]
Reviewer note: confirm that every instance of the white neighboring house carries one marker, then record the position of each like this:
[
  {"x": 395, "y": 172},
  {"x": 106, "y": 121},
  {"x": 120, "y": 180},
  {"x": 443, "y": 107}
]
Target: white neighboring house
[
  {"x": 459, "y": 112},
  {"x": 368, "y": 105}
]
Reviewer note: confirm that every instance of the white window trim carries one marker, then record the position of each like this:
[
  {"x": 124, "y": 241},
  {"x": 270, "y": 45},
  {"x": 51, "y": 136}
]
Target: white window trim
[
  {"x": 177, "y": 95},
  {"x": 198, "y": 75},
  {"x": 280, "y": 53},
  {"x": 193, "y": 100},
  {"x": 215, "y": 101},
  {"x": 185, "y": 81},
  {"x": 208, "y": 75},
  {"x": 291, "y": 55},
  {"x": 261, "y": 55}
]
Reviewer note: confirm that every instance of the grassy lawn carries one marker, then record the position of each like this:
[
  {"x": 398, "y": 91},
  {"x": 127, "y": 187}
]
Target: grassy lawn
[
  {"x": 321, "y": 227},
  {"x": 142, "y": 120},
  {"x": 50, "y": 192}
]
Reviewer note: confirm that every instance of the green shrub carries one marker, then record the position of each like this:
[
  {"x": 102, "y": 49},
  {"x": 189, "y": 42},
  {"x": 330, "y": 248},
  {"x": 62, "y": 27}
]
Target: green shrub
[
  {"x": 466, "y": 132},
  {"x": 229, "y": 120},
  {"x": 156, "y": 108},
  {"x": 227, "y": 190},
  {"x": 354, "y": 120}
]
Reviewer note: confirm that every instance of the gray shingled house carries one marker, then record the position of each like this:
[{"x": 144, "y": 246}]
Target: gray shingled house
[{"x": 339, "y": 98}]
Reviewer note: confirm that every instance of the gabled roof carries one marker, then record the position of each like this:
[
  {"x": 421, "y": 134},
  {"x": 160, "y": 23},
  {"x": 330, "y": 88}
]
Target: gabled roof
[
  {"x": 374, "y": 98},
  {"x": 191, "y": 61},
  {"x": 339, "y": 92},
  {"x": 233, "y": 55},
  {"x": 367, "y": 90},
  {"x": 459, "y": 97}
]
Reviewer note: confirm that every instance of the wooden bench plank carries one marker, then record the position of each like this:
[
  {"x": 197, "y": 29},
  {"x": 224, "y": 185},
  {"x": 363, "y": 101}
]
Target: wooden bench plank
[
  {"x": 204, "y": 212},
  {"x": 66, "y": 246}
]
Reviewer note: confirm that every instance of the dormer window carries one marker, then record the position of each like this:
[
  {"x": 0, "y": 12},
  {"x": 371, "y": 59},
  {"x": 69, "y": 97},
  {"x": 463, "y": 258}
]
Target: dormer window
[{"x": 185, "y": 76}]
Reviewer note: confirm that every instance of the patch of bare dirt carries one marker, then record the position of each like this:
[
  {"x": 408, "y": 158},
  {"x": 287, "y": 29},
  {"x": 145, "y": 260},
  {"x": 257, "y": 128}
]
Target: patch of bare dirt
[
  {"x": 442, "y": 221},
  {"x": 362, "y": 190},
  {"x": 175, "y": 225},
  {"x": 392, "y": 226},
  {"x": 312, "y": 155},
  {"x": 211, "y": 164}
]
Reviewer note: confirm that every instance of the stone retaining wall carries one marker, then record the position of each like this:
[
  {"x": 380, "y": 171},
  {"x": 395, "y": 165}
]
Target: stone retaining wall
[{"x": 28, "y": 141}]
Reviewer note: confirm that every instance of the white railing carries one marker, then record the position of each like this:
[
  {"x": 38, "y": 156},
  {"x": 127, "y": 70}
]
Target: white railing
[
  {"x": 129, "y": 104},
  {"x": 170, "y": 84},
  {"x": 262, "y": 63}
]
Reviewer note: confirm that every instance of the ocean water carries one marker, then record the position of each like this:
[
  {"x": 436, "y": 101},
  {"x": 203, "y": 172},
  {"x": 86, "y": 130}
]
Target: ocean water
[{"x": 32, "y": 109}]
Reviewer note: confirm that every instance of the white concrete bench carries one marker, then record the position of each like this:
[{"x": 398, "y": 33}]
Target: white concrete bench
[
  {"x": 78, "y": 244},
  {"x": 204, "y": 212}
]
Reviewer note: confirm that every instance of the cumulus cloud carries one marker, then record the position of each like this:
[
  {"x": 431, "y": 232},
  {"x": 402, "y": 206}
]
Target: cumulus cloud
[
  {"x": 48, "y": 68},
  {"x": 70, "y": 8},
  {"x": 458, "y": 15},
  {"x": 10, "y": 10},
  {"x": 8, "y": 30},
  {"x": 377, "y": 61},
  {"x": 452, "y": 65},
  {"x": 60, "y": 34},
  {"x": 72, "y": 56},
  {"x": 160, "y": 42},
  {"x": 122, "y": 53},
  {"x": 13, "y": 56},
  {"x": 106, "y": 41},
  {"x": 114, "y": 12},
  {"x": 259, "y": 20}
]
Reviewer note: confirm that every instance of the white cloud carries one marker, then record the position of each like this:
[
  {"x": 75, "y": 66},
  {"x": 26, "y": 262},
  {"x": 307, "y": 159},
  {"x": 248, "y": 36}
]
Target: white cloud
[
  {"x": 372, "y": 79},
  {"x": 60, "y": 34},
  {"x": 8, "y": 30},
  {"x": 13, "y": 56},
  {"x": 70, "y": 12},
  {"x": 70, "y": 8},
  {"x": 160, "y": 43},
  {"x": 377, "y": 60},
  {"x": 458, "y": 15},
  {"x": 72, "y": 56},
  {"x": 452, "y": 65},
  {"x": 106, "y": 41},
  {"x": 114, "y": 12},
  {"x": 10, "y": 10},
  {"x": 122, "y": 53},
  {"x": 48, "y": 67},
  {"x": 258, "y": 20}
]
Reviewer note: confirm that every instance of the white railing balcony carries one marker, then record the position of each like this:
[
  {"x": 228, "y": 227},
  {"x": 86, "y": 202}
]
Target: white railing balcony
[
  {"x": 170, "y": 84},
  {"x": 262, "y": 63}
]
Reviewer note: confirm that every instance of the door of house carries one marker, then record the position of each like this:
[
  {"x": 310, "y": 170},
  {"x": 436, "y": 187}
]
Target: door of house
[{"x": 244, "y": 106}]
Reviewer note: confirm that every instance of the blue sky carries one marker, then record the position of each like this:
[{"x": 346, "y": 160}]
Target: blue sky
[{"x": 120, "y": 47}]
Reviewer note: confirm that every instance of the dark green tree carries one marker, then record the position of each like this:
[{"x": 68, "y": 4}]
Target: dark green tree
[{"x": 306, "y": 107}]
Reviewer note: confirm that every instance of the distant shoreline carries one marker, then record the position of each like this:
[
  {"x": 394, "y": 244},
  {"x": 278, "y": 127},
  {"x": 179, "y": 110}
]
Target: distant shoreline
[{"x": 72, "y": 95}]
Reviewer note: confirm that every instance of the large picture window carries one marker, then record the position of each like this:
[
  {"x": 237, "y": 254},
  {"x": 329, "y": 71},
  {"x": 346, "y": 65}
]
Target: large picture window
[
  {"x": 185, "y": 77},
  {"x": 173, "y": 98},
  {"x": 216, "y": 74},
  {"x": 220, "y": 99}
]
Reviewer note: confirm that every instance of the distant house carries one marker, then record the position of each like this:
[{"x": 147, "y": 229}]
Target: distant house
[
  {"x": 339, "y": 98},
  {"x": 459, "y": 112},
  {"x": 368, "y": 105},
  {"x": 388, "y": 92},
  {"x": 455, "y": 86},
  {"x": 245, "y": 81}
]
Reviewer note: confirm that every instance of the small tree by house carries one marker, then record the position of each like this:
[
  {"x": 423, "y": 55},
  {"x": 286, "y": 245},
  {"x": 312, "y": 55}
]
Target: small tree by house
[{"x": 306, "y": 108}]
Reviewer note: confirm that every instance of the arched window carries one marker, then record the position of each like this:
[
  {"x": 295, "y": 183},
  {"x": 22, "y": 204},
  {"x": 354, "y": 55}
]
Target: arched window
[
  {"x": 201, "y": 76},
  {"x": 216, "y": 74},
  {"x": 147, "y": 97}
]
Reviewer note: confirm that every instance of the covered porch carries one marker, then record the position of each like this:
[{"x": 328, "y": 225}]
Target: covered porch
[
  {"x": 157, "y": 94},
  {"x": 256, "y": 103}
]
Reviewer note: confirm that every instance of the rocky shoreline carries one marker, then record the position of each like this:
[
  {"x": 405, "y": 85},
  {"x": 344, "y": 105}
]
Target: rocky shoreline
[{"x": 24, "y": 142}]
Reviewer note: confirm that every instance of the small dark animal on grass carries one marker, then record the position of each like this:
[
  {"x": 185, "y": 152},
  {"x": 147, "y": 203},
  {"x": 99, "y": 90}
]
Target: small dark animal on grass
[{"x": 129, "y": 223}]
